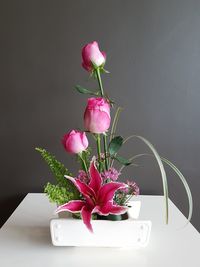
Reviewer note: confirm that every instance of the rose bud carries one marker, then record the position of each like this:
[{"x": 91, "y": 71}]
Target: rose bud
[
  {"x": 97, "y": 115},
  {"x": 75, "y": 142},
  {"x": 92, "y": 57}
]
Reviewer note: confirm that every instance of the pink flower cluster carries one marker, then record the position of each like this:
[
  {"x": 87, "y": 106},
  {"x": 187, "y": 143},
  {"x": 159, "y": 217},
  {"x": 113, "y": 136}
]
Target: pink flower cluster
[
  {"x": 132, "y": 188},
  {"x": 111, "y": 174}
]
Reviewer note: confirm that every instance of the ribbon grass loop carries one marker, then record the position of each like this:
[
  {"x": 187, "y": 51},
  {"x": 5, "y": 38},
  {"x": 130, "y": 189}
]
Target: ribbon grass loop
[{"x": 162, "y": 170}]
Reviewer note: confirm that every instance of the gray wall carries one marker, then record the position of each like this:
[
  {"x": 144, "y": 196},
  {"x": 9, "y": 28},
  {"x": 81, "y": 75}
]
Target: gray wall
[{"x": 153, "y": 50}]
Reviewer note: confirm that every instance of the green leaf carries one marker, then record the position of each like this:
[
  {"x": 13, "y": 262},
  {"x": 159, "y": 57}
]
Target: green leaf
[
  {"x": 122, "y": 160},
  {"x": 115, "y": 145},
  {"x": 109, "y": 100},
  {"x": 104, "y": 70},
  {"x": 58, "y": 170},
  {"x": 83, "y": 90},
  {"x": 131, "y": 160}
]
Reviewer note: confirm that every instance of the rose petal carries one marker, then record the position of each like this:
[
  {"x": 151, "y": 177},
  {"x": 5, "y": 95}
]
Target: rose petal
[
  {"x": 87, "y": 67},
  {"x": 104, "y": 54},
  {"x": 96, "y": 121}
]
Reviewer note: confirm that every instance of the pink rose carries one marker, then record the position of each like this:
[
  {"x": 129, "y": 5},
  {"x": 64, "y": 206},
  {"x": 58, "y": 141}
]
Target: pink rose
[
  {"x": 97, "y": 115},
  {"x": 92, "y": 56},
  {"x": 75, "y": 142}
]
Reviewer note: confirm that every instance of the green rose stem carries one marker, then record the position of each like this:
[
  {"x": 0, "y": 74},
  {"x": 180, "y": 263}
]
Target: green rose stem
[
  {"x": 104, "y": 136},
  {"x": 84, "y": 163},
  {"x": 99, "y": 150},
  {"x": 100, "y": 81}
]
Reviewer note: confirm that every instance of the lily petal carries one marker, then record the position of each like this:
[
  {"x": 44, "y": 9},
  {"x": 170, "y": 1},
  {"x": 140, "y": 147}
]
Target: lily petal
[
  {"x": 83, "y": 188},
  {"x": 95, "y": 178},
  {"x": 110, "y": 208},
  {"x": 72, "y": 206},
  {"x": 86, "y": 216},
  {"x": 107, "y": 191}
]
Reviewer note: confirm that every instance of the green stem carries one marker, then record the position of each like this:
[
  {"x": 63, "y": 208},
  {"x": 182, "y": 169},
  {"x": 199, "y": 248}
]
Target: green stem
[
  {"x": 84, "y": 163},
  {"x": 105, "y": 151},
  {"x": 104, "y": 136},
  {"x": 100, "y": 81},
  {"x": 99, "y": 150},
  {"x": 128, "y": 198}
]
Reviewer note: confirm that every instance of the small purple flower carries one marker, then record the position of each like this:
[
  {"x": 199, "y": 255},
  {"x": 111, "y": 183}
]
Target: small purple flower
[
  {"x": 83, "y": 177},
  {"x": 132, "y": 188},
  {"x": 112, "y": 174},
  {"x": 125, "y": 190}
]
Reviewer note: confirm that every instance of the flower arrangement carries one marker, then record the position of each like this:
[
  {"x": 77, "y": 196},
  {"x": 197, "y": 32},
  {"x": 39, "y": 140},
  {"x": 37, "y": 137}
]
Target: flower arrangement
[{"x": 95, "y": 191}]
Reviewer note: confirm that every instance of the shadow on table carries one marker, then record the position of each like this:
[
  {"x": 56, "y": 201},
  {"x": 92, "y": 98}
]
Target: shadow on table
[
  {"x": 8, "y": 205},
  {"x": 30, "y": 235}
]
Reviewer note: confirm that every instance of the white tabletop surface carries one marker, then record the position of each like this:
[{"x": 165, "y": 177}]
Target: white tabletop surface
[{"x": 25, "y": 240}]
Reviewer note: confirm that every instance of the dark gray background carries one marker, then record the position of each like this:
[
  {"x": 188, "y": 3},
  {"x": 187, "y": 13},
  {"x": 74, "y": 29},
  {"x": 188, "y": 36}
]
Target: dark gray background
[{"x": 153, "y": 54}]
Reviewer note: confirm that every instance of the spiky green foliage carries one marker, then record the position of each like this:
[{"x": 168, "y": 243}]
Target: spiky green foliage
[
  {"x": 58, "y": 170},
  {"x": 58, "y": 194}
]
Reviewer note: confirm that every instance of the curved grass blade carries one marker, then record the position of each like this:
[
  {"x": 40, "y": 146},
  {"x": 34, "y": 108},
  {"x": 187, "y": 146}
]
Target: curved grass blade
[
  {"x": 162, "y": 170},
  {"x": 179, "y": 174},
  {"x": 115, "y": 121},
  {"x": 183, "y": 180}
]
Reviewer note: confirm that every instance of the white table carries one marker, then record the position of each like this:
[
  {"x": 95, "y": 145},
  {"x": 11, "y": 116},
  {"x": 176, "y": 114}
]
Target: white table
[{"x": 25, "y": 240}]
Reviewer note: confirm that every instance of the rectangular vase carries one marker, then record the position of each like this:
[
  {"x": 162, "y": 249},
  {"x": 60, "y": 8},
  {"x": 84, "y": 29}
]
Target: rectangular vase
[{"x": 68, "y": 231}]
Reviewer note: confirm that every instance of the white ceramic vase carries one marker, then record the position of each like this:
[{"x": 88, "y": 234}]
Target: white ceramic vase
[{"x": 68, "y": 231}]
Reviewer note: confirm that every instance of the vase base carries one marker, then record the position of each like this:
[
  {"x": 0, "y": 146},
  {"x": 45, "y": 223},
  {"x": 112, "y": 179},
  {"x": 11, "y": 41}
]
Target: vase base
[{"x": 128, "y": 232}]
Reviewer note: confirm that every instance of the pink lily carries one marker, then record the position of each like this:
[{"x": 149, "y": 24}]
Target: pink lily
[{"x": 98, "y": 198}]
